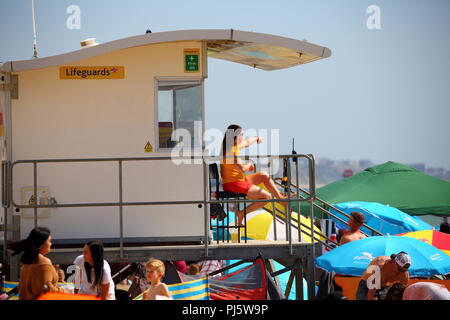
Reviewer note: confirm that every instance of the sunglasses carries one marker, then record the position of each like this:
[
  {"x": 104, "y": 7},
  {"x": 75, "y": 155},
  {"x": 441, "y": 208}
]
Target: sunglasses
[{"x": 404, "y": 268}]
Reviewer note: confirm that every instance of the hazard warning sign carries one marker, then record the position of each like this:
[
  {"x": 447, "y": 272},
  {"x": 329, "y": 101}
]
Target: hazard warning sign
[{"x": 148, "y": 147}]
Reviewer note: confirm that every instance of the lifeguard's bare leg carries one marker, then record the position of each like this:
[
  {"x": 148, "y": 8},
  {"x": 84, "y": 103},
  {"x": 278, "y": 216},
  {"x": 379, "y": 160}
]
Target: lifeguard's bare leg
[
  {"x": 263, "y": 177},
  {"x": 255, "y": 193}
]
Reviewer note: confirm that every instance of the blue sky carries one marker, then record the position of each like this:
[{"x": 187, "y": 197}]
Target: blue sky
[{"x": 383, "y": 94}]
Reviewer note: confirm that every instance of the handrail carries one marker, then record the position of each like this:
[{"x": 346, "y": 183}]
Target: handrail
[
  {"x": 207, "y": 199},
  {"x": 5, "y": 171},
  {"x": 308, "y": 227},
  {"x": 329, "y": 206}
]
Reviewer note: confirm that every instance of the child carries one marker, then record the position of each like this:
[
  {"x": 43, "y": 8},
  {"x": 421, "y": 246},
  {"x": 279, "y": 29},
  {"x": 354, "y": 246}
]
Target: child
[
  {"x": 194, "y": 269},
  {"x": 155, "y": 272},
  {"x": 60, "y": 272}
]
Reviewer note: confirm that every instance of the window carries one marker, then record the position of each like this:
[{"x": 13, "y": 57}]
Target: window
[{"x": 179, "y": 111}]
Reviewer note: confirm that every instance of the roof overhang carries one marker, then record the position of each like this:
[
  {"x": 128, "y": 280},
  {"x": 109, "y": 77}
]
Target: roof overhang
[{"x": 258, "y": 50}]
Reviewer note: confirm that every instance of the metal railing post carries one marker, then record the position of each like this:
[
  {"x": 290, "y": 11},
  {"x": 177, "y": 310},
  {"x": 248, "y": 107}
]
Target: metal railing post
[
  {"x": 5, "y": 204},
  {"x": 312, "y": 188},
  {"x": 35, "y": 193},
  {"x": 205, "y": 205},
  {"x": 297, "y": 180},
  {"x": 120, "y": 210},
  {"x": 288, "y": 207},
  {"x": 274, "y": 207}
]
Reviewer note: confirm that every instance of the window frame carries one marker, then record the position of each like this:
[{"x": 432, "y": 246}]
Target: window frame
[{"x": 198, "y": 80}]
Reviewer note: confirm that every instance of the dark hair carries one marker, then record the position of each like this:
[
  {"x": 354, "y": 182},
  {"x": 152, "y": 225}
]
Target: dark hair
[
  {"x": 395, "y": 292},
  {"x": 358, "y": 217},
  {"x": 96, "y": 248},
  {"x": 31, "y": 245},
  {"x": 232, "y": 131},
  {"x": 445, "y": 227},
  {"x": 194, "y": 268}
]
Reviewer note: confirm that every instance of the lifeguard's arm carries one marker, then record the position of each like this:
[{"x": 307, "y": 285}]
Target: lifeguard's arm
[
  {"x": 243, "y": 167},
  {"x": 246, "y": 167},
  {"x": 249, "y": 142},
  {"x": 237, "y": 163}
]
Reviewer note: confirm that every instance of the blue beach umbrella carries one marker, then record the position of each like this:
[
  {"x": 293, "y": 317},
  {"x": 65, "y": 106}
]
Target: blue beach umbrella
[
  {"x": 353, "y": 257},
  {"x": 385, "y": 219}
]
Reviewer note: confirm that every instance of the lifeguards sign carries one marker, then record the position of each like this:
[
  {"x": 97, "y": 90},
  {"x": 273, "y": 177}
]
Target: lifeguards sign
[
  {"x": 101, "y": 72},
  {"x": 191, "y": 60}
]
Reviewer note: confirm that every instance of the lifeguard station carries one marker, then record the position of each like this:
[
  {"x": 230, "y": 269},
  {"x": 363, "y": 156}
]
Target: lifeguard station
[{"x": 88, "y": 139}]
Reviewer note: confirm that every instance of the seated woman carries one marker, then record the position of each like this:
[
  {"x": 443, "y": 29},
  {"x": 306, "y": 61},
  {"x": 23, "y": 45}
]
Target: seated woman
[
  {"x": 93, "y": 273},
  {"x": 37, "y": 274},
  {"x": 233, "y": 173}
]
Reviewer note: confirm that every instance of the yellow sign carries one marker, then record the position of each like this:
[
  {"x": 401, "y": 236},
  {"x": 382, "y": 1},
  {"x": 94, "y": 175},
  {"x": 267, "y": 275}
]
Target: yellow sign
[
  {"x": 148, "y": 147},
  {"x": 101, "y": 72},
  {"x": 32, "y": 201}
]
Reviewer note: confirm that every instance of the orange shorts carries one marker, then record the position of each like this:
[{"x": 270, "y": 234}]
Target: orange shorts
[{"x": 237, "y": 186}]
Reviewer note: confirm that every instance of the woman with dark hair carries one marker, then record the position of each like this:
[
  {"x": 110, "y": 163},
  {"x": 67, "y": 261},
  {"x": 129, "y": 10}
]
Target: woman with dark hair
[
  {"x": 233, "y": 172},
  {"x": 93, "y": 273},
  {"x": 37, "y": 274}
]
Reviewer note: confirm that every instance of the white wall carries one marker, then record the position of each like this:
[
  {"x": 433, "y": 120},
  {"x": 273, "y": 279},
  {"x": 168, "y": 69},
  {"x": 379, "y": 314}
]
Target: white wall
[{"x": 54, "y": 119}]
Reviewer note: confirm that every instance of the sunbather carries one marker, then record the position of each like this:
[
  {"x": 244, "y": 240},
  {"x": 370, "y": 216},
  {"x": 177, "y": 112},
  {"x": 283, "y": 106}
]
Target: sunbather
[{"x": 355, "y": 221}]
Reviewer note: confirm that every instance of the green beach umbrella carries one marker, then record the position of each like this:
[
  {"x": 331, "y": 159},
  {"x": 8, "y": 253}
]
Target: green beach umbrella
[{"x": 390, "y": 183}]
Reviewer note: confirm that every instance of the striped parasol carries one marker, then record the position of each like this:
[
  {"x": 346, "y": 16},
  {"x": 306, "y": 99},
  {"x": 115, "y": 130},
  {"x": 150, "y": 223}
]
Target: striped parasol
[{"x": 437, "y": 239}]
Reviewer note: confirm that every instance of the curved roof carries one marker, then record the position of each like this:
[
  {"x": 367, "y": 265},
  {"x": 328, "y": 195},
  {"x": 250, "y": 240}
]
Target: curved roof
[{"x": 259, "y": 50}]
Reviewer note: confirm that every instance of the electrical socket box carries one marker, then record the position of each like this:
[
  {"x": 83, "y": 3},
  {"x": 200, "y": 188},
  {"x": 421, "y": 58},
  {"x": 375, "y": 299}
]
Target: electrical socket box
[{"x": 27, "y": 198}]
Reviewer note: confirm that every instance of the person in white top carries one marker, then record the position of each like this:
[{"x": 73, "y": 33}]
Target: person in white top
[{"x": 93, "y": 273}]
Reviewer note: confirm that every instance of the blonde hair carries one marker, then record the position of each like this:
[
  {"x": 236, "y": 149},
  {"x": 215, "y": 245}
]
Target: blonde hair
[{"x": 156, "y": 264}]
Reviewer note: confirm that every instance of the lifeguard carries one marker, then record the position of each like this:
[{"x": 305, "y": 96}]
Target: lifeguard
[{"x": 233, "y": 173}]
